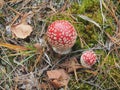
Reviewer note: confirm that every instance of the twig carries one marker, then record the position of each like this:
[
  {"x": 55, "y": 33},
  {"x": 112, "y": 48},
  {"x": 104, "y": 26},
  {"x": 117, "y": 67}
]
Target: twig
[
  {"x": 48, "y": 59},
  {"x": 2, "y": 88},
  {"x": 75, "y": 73},
  {"x": 38, "y": 58},
  {"x": 59, "y": 61},
  {"x": 14, "y": 10},
  {"x": 90, "y": 83},
  {"x": 90, "y": 20}
]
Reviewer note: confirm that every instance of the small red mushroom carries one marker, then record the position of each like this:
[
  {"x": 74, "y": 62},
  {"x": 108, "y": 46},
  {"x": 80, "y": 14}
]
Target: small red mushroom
[
  {"x": 88, "y": 59},
  {"x": 61, "y": 36}
]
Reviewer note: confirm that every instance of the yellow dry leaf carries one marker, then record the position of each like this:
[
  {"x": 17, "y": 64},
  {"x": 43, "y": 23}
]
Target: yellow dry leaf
[
  {"x": 21, "y": 30},
  {"x": 14, "y": 47}
]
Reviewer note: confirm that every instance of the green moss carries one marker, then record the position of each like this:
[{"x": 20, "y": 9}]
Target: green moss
[
  {"x": 86, "y": 6},
  {"x": 87, "y": 31},
  {"x": 59, "y": 16},
  {"x": 110, "y": 27},
  {"x": 74, "y": 85}
]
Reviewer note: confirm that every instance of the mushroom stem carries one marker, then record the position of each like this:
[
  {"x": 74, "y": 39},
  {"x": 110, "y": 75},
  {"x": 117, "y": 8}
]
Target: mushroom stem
[{"x": 61, "y": 51}]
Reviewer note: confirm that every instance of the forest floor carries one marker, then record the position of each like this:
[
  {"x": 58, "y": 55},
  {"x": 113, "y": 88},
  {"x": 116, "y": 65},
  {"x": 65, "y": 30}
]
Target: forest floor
[{"x": 28, "y": 62}]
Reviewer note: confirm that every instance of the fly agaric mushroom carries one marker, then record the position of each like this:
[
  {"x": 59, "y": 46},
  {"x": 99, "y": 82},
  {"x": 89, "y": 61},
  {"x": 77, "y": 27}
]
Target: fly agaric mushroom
[
  {"x": 88, "y": 59},
  {"x": 61, "y": 36}
]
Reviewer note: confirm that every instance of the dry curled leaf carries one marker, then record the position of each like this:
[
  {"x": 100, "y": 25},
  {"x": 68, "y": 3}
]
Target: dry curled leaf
[
  {"x": 43, "y": 86},
  {"x": 21, "y": 30},
  {"x": 71, "y": 65},
  {"x": 14, "y": 47},
  {"x": 58, "y": 78},
  {"x": 54, "y": 74},
  {"x": 56, "y": 83},
  {"x": 2, "y": 2}
]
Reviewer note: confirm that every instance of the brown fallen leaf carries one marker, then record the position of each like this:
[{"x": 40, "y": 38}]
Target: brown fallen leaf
[
  {"x": 43, "y": 86},
  {"x": 22, "y": 30},
  {"x": 54, "y": 74},
  {"x": 56, "y": 83},
  {"x": 58, "y": 78},
  {"x": 71, "y": 65},
  {"x": 14, "y": 47},
  {"x": 38, "y": 46},
  {"x": 2, "y": 2}
]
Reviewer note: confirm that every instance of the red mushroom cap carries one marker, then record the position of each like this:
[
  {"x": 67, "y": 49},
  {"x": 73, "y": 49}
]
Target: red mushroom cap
[
  {"x": 61, "y": 36},
  {"x": 88, "y": 59}
]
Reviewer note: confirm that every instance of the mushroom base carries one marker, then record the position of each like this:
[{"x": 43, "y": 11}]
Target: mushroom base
[{"x": 61, "y": 51}]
